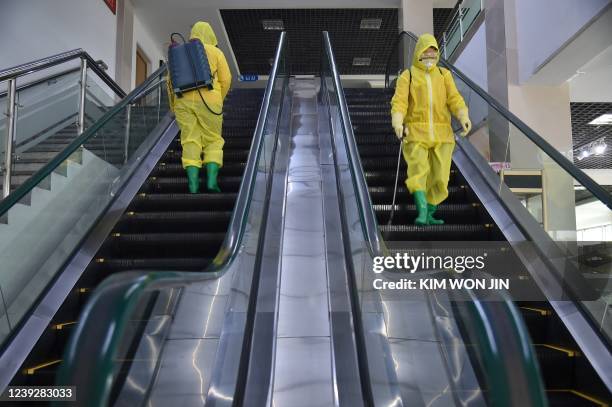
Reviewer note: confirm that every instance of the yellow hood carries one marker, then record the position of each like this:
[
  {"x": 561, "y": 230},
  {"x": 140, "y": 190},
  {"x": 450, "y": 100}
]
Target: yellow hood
[
  {"x": 204, "y": 32},
  {"x": 425, "y": 41}
]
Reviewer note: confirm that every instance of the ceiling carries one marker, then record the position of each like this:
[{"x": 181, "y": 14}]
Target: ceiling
[
  {"x": 163, "y": 17},
  {"x": 254, "y": 47},
  {"x": 583, "y": 133},
  {"x": 444, "y": 3}
]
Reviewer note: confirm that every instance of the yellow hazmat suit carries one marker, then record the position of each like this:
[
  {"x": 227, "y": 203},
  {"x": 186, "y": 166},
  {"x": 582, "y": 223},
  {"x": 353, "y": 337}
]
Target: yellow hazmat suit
[
  {"x": 423, "y": 102},
  {"x": 201, "y": 128}
]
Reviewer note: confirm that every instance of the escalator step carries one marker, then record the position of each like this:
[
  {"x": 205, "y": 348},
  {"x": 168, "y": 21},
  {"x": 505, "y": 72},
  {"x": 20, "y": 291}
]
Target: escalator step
[
  {"x": 176, "y": 169},
  {"x": 374, "y": 139},
  {"x": 147, "y": 222},
  {"x": 232, "y": 155},
  {"x": 179, "y": 184},
  {"x": 175, "y": 263},
  {"x": 569, "y": 398},
  {"x": 183, "y": 202},
  {"x": 557, "y": 367},
  {"x": 164, "y": 244},
  {"x": 231, "y": 143},
  {"x": 537, "y": 323},
  {"x": 450, "y": 213},
  {"x": 435, "y": 232},
  {"x": 372, "y": 164},
  {"x": 382, "y": 178},
  {"x": 384, "y": 195},
  {"x": 372, "y": 129}
]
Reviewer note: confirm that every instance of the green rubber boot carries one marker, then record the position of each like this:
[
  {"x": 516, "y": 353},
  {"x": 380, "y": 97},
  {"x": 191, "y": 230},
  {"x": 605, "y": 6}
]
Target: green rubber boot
[
  {"x": 193, "y": 179},
  {"x": 431, "y": 209},
  {"x": 212, "y": 170},
  {"x": 421, "y": 206}
]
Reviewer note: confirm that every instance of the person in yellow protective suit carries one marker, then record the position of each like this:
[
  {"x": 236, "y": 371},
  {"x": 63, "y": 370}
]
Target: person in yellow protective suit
[
  {"x": 425, "y": 96},
  {"x": 200, "y": 122}
]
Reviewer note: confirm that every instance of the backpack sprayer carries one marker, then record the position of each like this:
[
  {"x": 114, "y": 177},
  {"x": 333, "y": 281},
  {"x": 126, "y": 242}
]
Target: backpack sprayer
[{"x": 189, "y": 68}]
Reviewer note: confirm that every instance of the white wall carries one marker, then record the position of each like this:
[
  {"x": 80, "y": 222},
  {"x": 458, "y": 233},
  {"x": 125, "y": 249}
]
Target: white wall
[
  {"x": 473, "y": 58},
  {"x": 144, "y": 40},
  {"x": 33, "y": 29},
  {"x": 593, "y": 83},
  {"x": 416, "y": 16},
  {"x": 544, "y": 26}
]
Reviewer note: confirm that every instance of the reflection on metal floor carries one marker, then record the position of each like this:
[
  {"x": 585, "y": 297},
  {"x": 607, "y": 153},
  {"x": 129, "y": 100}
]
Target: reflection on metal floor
[{"x": 303, "y": 360}]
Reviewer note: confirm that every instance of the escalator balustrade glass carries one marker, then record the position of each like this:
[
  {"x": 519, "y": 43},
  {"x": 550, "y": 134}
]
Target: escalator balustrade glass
[{"x": 45, "y": 219}]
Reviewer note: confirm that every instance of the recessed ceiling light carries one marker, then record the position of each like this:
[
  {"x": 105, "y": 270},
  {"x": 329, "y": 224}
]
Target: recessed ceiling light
[
  {"x": 370, "y": 23},
  {"x": 273, "y": 25},
  {"x": 357, "y": 61},
  {"x": 600, "y": 148},
  {"x": 602, "y": 120}
]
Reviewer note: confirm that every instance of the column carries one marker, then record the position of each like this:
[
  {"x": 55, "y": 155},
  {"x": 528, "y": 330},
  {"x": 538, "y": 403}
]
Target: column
[{"x": 416, "y": 16}]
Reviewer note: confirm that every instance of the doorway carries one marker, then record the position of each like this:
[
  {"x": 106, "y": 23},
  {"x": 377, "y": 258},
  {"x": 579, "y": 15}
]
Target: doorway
[{"x": 142, "y": 66}]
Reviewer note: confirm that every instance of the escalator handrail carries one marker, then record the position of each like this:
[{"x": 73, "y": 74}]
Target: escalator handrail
[
  {"x": 371, "y": 233},
  {"x": 54, "y": 60},
  {"x": 587, "y": 182},
  {"x": 14, "y": 197},
  {"x": 111, "y": 303},
  {"x": 497, "y": 364}
]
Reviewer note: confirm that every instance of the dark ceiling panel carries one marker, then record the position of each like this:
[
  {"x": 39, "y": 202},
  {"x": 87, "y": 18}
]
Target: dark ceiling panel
[
  {"x": 254, "y": 47},
  {"x": 583, "y": 133}
]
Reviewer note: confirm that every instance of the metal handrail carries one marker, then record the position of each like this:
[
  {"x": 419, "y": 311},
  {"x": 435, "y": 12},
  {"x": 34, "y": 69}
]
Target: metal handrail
[
  {"x": 44, "y": 63},
  {"x": 597, "y": 190},
  {"x": 111, "y": 304},
  {"x": 12, "y": 74},
  {"x": 35, "y": 179},
  {"x": 48, "y": 78},
  {"x": 451, "y": 17},
  {"x": 372, "y": 236}
]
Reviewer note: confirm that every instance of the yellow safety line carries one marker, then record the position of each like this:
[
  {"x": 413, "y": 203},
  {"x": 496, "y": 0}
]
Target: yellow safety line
[
  {"x": 59, "y": 327},
  {"x": 570, "y": 353},
  {"x": 540, "y": 310},
  {"x": 33, "y": 370},
  {"x": 584, "y": 396}
]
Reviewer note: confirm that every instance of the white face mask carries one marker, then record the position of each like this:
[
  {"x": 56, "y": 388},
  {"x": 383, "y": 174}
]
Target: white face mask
[{"x": 428, "y": 62}]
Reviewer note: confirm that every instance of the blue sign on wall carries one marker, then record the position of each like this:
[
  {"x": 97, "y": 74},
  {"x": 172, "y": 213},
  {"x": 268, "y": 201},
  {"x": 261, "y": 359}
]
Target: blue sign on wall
[{"x": 249, "y": 77}]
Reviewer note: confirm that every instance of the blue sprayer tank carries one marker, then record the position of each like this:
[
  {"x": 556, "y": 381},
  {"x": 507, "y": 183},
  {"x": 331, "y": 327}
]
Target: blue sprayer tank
[{"x": 188, "y": 66}]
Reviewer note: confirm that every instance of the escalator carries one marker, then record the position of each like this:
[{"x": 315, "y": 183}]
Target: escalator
[
  {"x": 152, "y": 249},
  {"x": 163, "y": 228},
  {"x": 569, "y": 378}
]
